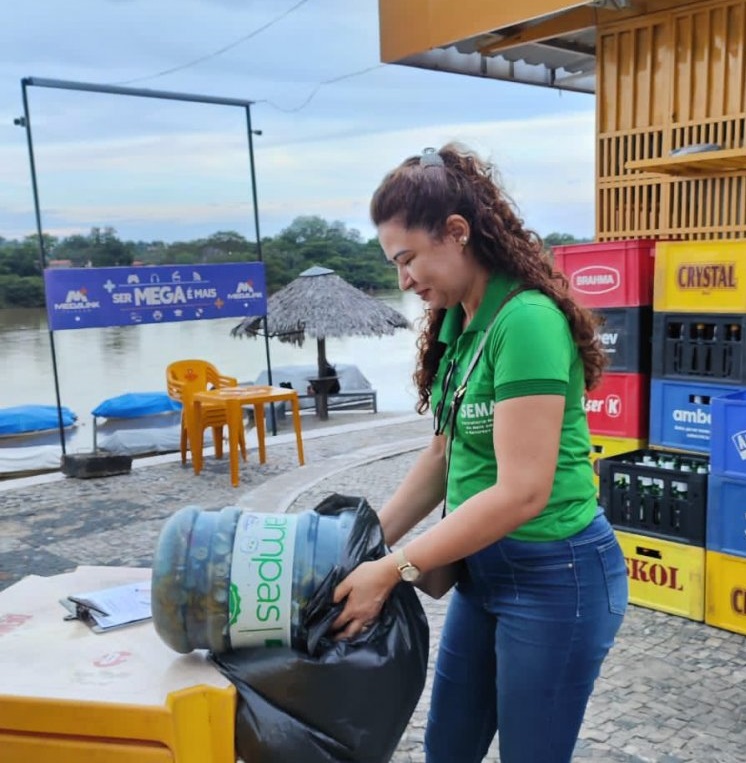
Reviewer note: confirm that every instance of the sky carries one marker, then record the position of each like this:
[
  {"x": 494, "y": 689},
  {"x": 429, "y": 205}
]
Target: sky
[{"x": 333, "y": 120}]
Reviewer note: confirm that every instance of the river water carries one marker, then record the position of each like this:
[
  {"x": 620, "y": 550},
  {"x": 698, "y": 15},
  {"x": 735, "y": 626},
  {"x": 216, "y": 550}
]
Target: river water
[{"x": 96, "y": 364}]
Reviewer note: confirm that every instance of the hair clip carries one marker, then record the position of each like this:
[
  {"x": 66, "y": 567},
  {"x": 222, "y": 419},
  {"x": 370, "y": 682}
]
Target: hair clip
[{"x": 431, "y": 158}]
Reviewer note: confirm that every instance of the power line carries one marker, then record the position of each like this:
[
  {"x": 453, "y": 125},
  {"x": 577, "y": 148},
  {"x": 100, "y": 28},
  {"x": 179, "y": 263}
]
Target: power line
[
  {"x": 318, "y": 87},
  {"x": 219, "y": 52}
]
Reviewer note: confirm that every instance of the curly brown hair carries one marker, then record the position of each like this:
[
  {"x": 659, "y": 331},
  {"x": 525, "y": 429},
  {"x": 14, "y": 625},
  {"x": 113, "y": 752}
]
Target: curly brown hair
[{"x": 422, "y": 195}]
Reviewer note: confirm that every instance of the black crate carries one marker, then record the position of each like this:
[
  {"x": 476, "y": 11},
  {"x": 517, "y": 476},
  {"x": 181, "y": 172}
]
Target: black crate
[
  {"x": 652, "y": 499},
  {"x": 699, "y": 347},
  {"x": 625, "y": 335}
]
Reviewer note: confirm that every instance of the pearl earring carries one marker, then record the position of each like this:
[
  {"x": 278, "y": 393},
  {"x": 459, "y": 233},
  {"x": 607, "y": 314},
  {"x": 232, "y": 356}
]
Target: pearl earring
[{"x": 464, "y": 241}]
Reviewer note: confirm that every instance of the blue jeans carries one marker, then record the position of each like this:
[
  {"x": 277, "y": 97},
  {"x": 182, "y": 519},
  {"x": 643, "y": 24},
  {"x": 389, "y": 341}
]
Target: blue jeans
[{"x": 526, "y": 632}]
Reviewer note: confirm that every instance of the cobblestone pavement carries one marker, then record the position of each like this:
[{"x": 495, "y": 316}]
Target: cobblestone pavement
[{"x": 671, "y": 691}]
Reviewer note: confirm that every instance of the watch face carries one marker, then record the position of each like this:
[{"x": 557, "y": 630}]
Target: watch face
[{"x": 409, "y": 573}]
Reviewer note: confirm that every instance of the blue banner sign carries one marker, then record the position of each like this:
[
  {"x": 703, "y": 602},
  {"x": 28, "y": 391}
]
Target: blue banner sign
[{"x": 79, "y": 298}]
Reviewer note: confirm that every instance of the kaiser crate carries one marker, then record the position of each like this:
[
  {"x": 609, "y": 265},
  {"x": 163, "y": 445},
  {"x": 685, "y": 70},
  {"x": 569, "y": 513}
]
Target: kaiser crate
[
  {"x": 700, "y": 276},
  {"x": 725, "y": 592},
  {"x": 657, "y": 493},
  {"x": 609, "y": 274},
  {"x": 665, "y": 576},
  {"x": 618, "y": 407},
  {"x": 699, "y": 347}
]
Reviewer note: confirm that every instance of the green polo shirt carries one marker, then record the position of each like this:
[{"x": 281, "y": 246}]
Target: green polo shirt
[{"x": 529, "y": 351}]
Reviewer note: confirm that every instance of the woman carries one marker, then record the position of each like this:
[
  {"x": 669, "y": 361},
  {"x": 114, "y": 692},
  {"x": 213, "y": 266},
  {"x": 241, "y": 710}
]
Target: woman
[{"x": 544, "y": 586}]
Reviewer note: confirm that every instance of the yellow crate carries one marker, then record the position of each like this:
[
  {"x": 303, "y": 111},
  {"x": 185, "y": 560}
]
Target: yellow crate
[
  {"x": 603, "y": 447},
  {"x": 700, "y": 276},
  {"x": 725, "y": 592},
  {"x": 665, "y": 576}
]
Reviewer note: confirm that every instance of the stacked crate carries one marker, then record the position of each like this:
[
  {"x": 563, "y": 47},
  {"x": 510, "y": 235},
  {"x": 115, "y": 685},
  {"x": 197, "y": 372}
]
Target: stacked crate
[
  {"x": 656, "y": 502},
  {"x": 698, "y": 347},
  {"x": 615, "y": 280},
  {"x": 725, "y": 587}
]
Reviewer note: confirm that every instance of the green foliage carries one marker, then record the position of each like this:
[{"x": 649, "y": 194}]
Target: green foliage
[
  {"x": 307, "y": 241},
  {"x": 21, "y": 291}
]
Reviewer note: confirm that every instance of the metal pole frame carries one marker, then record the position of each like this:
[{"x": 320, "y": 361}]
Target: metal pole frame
[{"x": 25, "y": 122}]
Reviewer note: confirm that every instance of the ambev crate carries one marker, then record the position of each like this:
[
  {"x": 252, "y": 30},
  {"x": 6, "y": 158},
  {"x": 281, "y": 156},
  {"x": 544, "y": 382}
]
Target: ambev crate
[
  {"x": 626, "y": 337},
  {"x": 699, "y": 347},
  {"x": 726, "y": 592},
  {"x": 618, "y": 407},
  {"x": 726, "y": 515},
  {"x": 658, "y": 493},
  {"x": 603, "y": 447},
  {"x": 700, "y": 276},
  {"x": 728, "y": 439},
  {"x": 609, "y": 274},
  {"x": 665, "y": 576},
  {"x": 680, "y": 414}
]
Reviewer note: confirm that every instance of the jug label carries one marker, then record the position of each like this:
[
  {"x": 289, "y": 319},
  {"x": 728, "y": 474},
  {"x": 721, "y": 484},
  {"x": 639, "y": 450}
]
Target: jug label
[{"x": 262, "y": 580}]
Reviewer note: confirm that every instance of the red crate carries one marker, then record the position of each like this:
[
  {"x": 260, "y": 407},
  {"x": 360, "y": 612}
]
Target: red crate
[
  {"x": 609, "y": 274},
  {"x": 619, "y": 406}
]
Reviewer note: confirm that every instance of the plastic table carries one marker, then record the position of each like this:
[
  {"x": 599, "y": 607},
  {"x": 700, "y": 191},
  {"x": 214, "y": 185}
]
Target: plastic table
[
  {"x": 234, "y": 398},
  {"x": 69, "y": 695}
]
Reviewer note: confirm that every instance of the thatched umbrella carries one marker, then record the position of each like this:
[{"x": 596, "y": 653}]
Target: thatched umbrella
[{"x": 320, "y": 304}]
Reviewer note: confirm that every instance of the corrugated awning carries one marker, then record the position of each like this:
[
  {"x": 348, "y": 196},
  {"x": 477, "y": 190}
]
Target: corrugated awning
[{"x": 556, "y": 49}]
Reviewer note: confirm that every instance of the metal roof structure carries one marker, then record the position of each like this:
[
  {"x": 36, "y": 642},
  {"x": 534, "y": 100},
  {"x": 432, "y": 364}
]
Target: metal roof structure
[{"x": 554, "y": 49}]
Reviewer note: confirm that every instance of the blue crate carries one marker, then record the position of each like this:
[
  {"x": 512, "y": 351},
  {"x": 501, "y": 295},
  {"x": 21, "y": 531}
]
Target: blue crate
[
  {"x": 726, "y": 515},
  {"x": 681, "y": 415},
  {"x": 728, "y": 441}
]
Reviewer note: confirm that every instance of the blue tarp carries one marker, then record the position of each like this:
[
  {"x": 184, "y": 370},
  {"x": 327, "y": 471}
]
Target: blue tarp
[
  {"x": 33, "y": 418},
  {"x": 134, "y": 404}
]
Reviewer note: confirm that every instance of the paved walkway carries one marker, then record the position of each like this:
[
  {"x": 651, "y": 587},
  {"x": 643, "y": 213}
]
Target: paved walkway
[{"x": 672, "y": 690}]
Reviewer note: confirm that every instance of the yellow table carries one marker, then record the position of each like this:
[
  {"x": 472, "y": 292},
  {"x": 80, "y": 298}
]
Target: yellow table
[
  {"x": 68, "y": 695},
  {"x": 234, "y": 398}
]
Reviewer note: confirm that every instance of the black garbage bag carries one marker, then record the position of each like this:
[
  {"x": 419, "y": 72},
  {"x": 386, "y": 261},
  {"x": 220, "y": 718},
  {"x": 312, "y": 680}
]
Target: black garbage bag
[{"x": 341, "y": 700}]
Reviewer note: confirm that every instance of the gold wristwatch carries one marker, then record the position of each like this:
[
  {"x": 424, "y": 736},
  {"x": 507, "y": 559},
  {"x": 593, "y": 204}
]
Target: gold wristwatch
[{"x": 407, "y": 571}]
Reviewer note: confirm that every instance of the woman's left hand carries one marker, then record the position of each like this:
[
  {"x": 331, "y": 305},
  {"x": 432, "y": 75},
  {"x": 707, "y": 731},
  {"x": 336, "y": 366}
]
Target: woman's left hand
[{"x": 366, "y": 589}]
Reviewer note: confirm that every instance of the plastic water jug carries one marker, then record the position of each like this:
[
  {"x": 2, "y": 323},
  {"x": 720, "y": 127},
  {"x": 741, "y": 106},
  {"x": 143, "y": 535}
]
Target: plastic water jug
[{"x": 233, "y": 578}]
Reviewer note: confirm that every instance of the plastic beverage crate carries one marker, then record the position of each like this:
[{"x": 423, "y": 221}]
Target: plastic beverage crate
[
  {"x": 657, "y": 493},
  {"x": 618, "y": 407},
  {"x": 726, "y": 515},
  {"x": 666, "y": 576},
  {"x": 700, "y": 277},
  {"x": 725, "y": 592},
  {"x": 603, "y": 447},
  {"x": 699, "y": 347},
  {"x": 625, "y": 336},
  {"x": 681, "y": 414},
  {"x": 609, "y": 274},
  {"x": 728, "y": 440}
]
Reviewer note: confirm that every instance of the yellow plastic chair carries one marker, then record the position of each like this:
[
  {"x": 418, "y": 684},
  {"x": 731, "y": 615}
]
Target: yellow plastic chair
[{"x": 183, "y": 379}]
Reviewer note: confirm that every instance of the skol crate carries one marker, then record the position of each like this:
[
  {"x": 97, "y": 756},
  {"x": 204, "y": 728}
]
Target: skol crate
[
  {"x": 726, "y": 515},
  {"x": 603, "y": 447},
  {"x": 700, "y": 276},
  {"x": 680, "y": 414},
  {"x": 618, "y": 407},
  {"x": 699, "y": 347},
  {"x": 728, "y": 439},
  {"x": 609, "y": 274},
  {"x": 657, "y": 493},
  {"x": 726, "y": 592},
  {"x": 625, "y": 335},
  {"x": 665, "y": 576}
]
